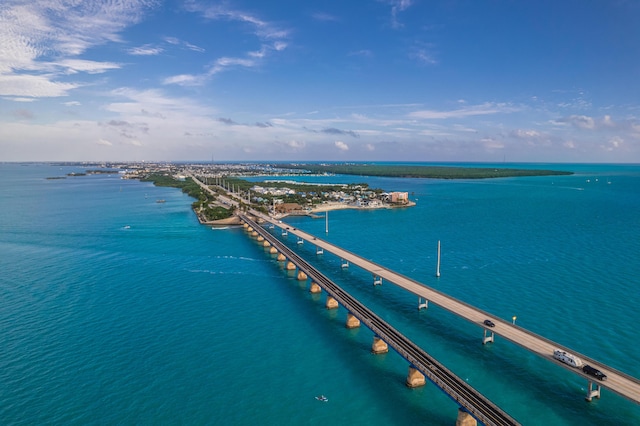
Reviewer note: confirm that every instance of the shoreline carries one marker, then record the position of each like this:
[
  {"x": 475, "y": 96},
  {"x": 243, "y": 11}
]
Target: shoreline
[{"x": 342, "y": 206}]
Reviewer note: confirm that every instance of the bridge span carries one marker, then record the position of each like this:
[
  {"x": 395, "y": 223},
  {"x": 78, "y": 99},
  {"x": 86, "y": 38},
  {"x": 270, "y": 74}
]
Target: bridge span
[
  {"x": 617, "y": 381},
  {"x": 471, "y": 401}
]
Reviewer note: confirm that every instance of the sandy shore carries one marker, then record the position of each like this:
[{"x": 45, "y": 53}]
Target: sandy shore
[
  {"x": 233, "y": 220},
  {"x": 341, "y": 206}
]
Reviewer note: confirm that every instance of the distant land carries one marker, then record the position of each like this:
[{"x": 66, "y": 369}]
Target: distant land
[{"x": 415, "y": 171}]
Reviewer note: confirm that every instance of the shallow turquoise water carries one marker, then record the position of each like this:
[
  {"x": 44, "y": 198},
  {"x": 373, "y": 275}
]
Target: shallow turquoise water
[{"x": 118, "y": 309}]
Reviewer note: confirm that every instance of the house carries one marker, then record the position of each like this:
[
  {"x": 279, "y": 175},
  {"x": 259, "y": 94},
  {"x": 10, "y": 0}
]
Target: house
[{"x": 399, "y": 197}]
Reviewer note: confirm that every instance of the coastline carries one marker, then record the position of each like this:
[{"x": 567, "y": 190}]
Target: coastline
[{"x": 342, "y": 206}]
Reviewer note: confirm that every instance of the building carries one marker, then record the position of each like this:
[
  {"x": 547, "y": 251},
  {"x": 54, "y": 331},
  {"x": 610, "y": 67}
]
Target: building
[{"x": 399, "y": 197}]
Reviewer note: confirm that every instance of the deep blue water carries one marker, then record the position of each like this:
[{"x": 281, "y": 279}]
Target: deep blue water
[{"x": 115, "y": 309}]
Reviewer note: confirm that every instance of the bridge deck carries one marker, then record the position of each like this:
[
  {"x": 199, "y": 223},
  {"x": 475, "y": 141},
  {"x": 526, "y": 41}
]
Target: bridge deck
[
  {"x": 617, "y": 381},
  {"x": 458, "y": 389}
]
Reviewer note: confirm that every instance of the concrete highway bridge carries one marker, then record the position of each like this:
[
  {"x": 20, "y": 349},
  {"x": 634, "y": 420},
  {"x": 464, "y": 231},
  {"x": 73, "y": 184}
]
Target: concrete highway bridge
[
  {"x": 474, "y": 405},
  {"x": 617, "y": 381}
]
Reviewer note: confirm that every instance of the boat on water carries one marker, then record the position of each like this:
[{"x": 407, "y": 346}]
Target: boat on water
[
  {"x": 567, "y": 358},
  {"x": 161, "y": 201},
  {"x": 322, "y": 398}
]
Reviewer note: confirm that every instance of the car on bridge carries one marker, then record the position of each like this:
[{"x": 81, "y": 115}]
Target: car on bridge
[
  {"x": 489, "y": 323},
  {"x": 594, "y": 372}
]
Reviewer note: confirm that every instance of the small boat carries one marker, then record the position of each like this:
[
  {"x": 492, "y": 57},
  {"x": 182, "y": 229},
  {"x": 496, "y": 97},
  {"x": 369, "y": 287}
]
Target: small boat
[
  {"x": 322, "y": 398},
  {"x": 160, "y": 201}
]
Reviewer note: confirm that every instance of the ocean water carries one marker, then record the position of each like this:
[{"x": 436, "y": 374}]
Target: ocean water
[{"x": 116, "y": 309}]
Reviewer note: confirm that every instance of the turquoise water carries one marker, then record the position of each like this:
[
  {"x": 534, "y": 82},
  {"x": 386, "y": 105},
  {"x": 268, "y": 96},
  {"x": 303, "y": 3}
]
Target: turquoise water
[{"x": 115, "y": 309}]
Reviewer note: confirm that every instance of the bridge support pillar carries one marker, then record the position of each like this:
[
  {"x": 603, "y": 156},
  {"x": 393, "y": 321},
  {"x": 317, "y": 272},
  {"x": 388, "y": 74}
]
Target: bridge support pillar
[
  {"x": 415, "y": 378},
  {"x": 352, "y": 321},
  {"x": 254, "y": 234},
  {"x": 319, "y": 250},
  {"x": 249, "y": 229},
  {"x": 423, "y": 303},
  {"x": 290, "y": 266},
  {"x": 377, "y": 280},
  {"x": 379, "y": 346},
  {"x": 344, "y": 263},
  {"x": 300, "y": 240},
  {"x": 273, "y": 250},
  {"x": 593, "y": 392},
  {"x": 487, "y": 337},
  {"x": 302, "y": 276},
  {"x": 284, "y": 232},
  {"x": 465, "y": 419},
  {"x": 281, "y": 257},
  {"x": 331, "y": 303},
  {"x": 260, "y": 238},
  {"x": 266, "y": 243},
  {"x": 315, "y": 288}
]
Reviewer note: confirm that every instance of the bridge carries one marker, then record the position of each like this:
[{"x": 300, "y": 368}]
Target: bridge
[
  {"x": 617, "y": 381},
  {"x": 421, "y": 363}
]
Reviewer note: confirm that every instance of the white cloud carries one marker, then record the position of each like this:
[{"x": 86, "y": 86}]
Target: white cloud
[
  {"x": 35, "y": 86},
  {"x": 177, "y": 42},
  {"x": 146, "y": 50},
  {"x": 614, "y": 143},
  {"x": 296, "y": 144},
  {"x": 580, "y": 121},
  {"x": 271, "y": 39},
  {"x": 525, "y": 134},
  {"x": 20, "y": 99},
  {"x": 483, "y": 109},
  {"x": 398, "y": 6},
  {"x": 342, "y": 146},
  {"x": 91, "y": 67},
  {"x": 193, "y": 47},
  {"x": 184, "y": 80},
  {"x": 491, "y": 143},
  {"x": 324, "y": 17},
  {"x": 104, "y": 142},
  {"x": 38, "y": 29}
]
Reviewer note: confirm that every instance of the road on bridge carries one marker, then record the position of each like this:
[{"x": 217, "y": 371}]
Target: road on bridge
[
  {"x": 458, "y": 389},
  {"x": 617, "y": 381}
]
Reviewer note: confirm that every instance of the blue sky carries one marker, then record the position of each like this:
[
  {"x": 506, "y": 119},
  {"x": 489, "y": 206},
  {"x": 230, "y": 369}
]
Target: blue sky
[{"x": 360, "y": 80}]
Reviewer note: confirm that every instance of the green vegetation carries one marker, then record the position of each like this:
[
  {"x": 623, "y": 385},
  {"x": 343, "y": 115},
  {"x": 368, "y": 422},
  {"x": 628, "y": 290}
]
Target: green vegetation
[
  {"x": 414, "y": 171},
  {"x": 305, "y": 194},
  {"x": 203, "y": 204}
]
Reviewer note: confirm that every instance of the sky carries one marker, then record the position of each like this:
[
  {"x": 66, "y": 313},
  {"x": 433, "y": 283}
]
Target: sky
[{"x": 289, "y": 80}]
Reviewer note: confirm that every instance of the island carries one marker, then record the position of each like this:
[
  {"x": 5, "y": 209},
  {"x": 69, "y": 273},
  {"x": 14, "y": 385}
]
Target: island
[
  {"x": 422, "y": 171},
  {"x": 221, "y": 188}
]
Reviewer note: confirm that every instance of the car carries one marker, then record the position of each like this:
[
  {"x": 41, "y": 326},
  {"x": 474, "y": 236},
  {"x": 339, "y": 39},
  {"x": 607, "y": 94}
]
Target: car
[
  {"x": 587, "y": 369},
  {"x": 489, "y": 323}
]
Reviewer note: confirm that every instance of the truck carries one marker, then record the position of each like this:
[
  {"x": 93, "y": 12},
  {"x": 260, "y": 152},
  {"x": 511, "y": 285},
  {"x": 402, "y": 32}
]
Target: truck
[{"x": 567, "y": 358}]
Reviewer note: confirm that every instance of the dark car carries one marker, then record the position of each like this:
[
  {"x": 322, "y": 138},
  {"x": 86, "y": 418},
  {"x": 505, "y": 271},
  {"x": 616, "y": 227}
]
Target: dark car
[
  {"x": 594, "y": 372},
  {"x": 489, "y": 323}
]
